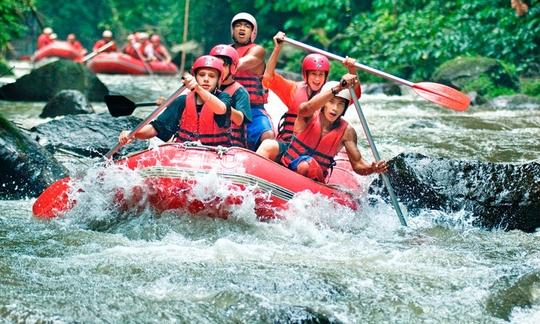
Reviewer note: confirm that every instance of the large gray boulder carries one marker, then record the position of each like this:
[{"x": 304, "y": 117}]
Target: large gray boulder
[
  {"x": 67, "y": 102},
  {"x": 486, "y": 77},
  {"x": 26, "y": 169},
  {"x": 497, "y": 195},
  {"x": 90, "y": 135},
  {"x": 45, "y": 82}
]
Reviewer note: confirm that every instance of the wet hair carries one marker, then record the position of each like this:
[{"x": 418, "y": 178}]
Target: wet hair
[{"x": 226, "y": 60}]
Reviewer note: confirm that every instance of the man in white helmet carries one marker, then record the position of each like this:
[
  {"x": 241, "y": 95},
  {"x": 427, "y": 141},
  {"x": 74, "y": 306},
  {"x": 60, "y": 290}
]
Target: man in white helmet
[
  {"x": 320, "y": 132},
  {"x": 45, "y": 38},
  {"x": 107, "y": 36},
  {"x": 249, "y": 74}
]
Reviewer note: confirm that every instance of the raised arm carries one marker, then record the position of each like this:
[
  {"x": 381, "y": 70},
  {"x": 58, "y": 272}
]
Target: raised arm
[
  {"x": 272, "y": 61},
  {"x": 309, "y": 107}
]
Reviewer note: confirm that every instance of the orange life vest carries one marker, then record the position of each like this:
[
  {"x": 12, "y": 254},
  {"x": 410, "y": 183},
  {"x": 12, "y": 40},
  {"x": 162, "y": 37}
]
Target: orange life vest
[
  {"x": 201, "y": 126},
  {"x": 237, "y": 132},
  {"x": 251, "y": 81},
  {"x": 309, "y": 142}
]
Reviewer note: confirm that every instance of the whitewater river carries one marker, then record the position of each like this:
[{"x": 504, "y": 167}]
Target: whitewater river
[{"x": 322, "y": 264}]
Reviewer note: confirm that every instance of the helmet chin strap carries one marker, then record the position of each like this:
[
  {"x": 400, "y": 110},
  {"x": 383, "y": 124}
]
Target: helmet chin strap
[{"x": 237, "y": 42}]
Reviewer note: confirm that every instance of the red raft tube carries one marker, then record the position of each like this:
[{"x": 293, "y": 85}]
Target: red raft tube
[
  {"x": 58, "y": 49},
  {"x": 170, "y": 174},
  {"x": 120, "y": 63}
]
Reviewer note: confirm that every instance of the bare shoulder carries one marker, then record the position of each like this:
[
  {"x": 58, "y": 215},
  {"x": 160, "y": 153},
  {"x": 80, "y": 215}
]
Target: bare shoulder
[{"x": 350, "y": 134}]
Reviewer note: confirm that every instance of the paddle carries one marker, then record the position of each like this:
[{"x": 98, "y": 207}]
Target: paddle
[
  {"x": 377, "y": 157},
  {"x": 440, "y": 94},
  {"x": 55, "y": 200},
  {"x": 141, "y": 57},
  {"x": 121, "y": 106},
  {"x": 96, "y": 52}
]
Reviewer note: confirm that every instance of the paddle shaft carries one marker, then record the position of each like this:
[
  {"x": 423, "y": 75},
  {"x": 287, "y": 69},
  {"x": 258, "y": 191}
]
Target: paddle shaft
[
  {"x": 341, "y": 59},
  {"x": 377, "y": 157},
  {"x": 145, "y": 122},
  {"x": 96, "y": 52}
]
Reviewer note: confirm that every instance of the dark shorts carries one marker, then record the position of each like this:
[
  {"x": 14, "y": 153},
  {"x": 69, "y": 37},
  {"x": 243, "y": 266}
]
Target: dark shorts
[
  {"x": 260, "y": 123},
  {"x": 282, "y": 149},
  {"x": 314, "y": 170}
]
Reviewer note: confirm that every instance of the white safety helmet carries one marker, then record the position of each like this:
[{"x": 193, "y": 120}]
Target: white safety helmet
[
  {"x": 345, "y": 94},
  {"x": 143, "y": 35},
  {"x": 249, "y": 18},
  {"x": 53, "y": 36},
  {"x": 107, "y": 33},
  {"x": 47, "y": 30}
]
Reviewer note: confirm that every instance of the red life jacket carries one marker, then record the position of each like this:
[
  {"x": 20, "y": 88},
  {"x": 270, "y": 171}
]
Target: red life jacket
[
  {"x": 286, "y": 123},
  {"x": 252, "y": 82},
  {"x": 309, "y": 142},
  {"x": 200, "y": 127},
  {"x": 238, "y": 132},
  {"x": 102, "y": 42}
]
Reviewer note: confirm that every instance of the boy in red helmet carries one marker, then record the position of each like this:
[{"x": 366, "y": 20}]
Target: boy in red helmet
[
  {"x": 45, "y": 38},
  {"x": 320, "y": 132},
  {"x": 156, "y": 51},
  {"x": 241, "y": 109},
  {"x": 315, "y": 70},
  {"x": 201, "y": 115},
  {"x": 249, "y": 74},
  {"x": 72, "y": 40}
]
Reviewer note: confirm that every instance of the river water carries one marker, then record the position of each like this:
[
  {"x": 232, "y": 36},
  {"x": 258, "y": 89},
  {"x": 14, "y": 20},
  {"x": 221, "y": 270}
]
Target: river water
[{"x": 322, "y": 264}]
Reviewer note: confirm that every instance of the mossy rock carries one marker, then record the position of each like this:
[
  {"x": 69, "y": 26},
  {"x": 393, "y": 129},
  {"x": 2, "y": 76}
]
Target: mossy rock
[
  {"x": 45, "y": 82},
  {"x": 485, "y": 76}
]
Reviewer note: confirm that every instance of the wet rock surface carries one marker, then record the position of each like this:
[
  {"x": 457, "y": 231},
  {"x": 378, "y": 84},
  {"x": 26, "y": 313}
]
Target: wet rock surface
[
  {"x": 504, "y": 195},
  {"x": 67, "y": 102}
]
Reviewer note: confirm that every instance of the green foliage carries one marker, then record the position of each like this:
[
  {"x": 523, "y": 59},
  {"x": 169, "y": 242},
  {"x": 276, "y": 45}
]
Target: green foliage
[
  {"x": 10, "y": 21},
  {"x": 485, "y": 87},
  {"x": 531, "y": 87},
  {"x": 4, "y": 68}
]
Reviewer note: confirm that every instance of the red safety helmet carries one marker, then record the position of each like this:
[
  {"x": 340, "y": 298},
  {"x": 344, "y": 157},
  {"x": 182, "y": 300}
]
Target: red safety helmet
[
  {"x": 227, "y": 51},
  {"x": 315, "y": 62},
  {"x": 208, "y": 61}
]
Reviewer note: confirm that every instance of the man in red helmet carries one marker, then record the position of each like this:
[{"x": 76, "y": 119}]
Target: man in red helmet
[
  {"x": 315, "y": 70},
  {"x": 249, "y": 74},
  {"x": 320, "y": 132},
  {"x": 156, "y": 51},
  {"x": 241, "y": 109},
  {"x": 106, "y": 38},
  {"x": 202, "y": 115}
]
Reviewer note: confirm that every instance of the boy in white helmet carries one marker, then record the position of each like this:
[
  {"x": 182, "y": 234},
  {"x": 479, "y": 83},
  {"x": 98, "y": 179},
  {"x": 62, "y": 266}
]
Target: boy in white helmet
[
  {"x": 249, "y": 74},
  {"x": 320, "y": 132},
  {"x": 45, "y": 38}
]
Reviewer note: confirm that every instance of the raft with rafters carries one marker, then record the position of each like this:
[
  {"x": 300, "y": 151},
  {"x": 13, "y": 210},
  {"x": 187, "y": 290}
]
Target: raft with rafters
[
  {"x": 172, "y": 176},
  {"x": 120, "y": 63}
]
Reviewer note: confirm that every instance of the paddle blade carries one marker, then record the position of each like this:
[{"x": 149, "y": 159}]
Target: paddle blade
[
  {"x": 55, "y": 200},
  {"x": 442, "y": 95},
  {"x": 119, "y": 105}
]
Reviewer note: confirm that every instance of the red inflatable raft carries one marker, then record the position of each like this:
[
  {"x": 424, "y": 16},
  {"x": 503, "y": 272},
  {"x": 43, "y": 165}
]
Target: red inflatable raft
[
  {"x": 120, "y": 63},
  {"x": 59, "y": 49},
  {"x": 170, "y": 174}
]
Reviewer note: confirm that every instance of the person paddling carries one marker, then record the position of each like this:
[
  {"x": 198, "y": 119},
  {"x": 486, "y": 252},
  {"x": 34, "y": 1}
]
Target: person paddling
[
  {"x": 201, "y": 115},
  {"x": 320, "y": 132},
  {"x": 157, "y": 51},
  {"x": 315, "y": 70},
  {"x": 241, "y": 109},
  {"x": 249, "y": 73},
  {"x": 72, "y": 40},
  {"x": 107, "y": 36},
  {"x": 45, "y": 38}
]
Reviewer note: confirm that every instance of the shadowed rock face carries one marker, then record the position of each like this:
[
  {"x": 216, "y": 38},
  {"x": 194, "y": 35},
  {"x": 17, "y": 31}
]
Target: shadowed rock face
[
  {"x": 499, "y": 195},
  {"x": 26, "y": 169},
  {"x": 90, "y": 135},
  {"x": 67, "y": 102},
  {"x": 45, "y": 82}
]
